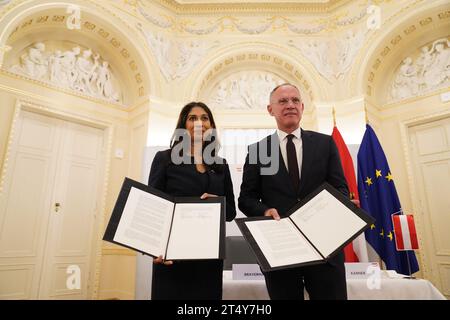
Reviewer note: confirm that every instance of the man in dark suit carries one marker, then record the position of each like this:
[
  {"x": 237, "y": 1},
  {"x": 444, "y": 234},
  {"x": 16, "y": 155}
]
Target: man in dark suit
[{"x": 302, "y": 160}]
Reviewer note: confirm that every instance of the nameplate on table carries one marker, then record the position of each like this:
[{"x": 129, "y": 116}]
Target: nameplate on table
[
  {"x": 361, "y": 270},
  {"x": 247, "y": 272}
]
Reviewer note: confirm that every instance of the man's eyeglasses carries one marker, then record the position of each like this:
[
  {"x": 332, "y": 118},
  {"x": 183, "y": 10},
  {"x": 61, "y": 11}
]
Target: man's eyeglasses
[{"x": 285, "y": 101}]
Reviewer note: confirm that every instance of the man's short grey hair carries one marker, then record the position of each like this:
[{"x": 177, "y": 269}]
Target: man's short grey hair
[{"x": 282, "y": 85}]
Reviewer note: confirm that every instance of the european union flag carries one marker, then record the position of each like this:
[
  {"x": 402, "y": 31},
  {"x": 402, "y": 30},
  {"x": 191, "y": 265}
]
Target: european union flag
[{"x": 378, "y": 197}]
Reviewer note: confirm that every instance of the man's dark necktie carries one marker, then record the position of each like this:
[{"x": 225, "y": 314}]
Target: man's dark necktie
[{"x": 292, "y": 162}]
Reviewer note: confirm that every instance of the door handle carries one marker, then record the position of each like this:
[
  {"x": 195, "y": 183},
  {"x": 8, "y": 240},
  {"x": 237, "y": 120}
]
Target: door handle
[{"x": 57, "y": 206}]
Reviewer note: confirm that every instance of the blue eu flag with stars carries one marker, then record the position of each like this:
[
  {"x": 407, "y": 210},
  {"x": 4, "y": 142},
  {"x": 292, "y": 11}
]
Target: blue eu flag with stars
[{"x": 379, "y": 198}]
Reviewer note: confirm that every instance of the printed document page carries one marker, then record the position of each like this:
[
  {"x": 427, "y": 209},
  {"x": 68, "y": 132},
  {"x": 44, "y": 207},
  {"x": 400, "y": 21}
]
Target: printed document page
[
  {"x": 281, "y": 243},
  {"x": 326, "y": 222},
  {"x": 195, "y": 231},
  {"x": 145, "y": 222}
]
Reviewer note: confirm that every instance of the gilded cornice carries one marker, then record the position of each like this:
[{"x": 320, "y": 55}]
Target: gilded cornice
[{"x": 280, "y": 7}]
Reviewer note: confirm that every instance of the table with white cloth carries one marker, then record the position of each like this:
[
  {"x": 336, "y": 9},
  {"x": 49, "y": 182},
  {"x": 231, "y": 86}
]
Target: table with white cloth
[{"x": 357, "y": 289}]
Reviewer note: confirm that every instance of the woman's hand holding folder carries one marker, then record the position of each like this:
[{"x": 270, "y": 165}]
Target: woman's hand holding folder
[{"x": 208, "y": 195}]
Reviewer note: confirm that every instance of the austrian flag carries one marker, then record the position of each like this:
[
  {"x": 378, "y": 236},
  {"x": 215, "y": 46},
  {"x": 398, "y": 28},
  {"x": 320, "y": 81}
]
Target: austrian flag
[{"x": 405, "y": 232}]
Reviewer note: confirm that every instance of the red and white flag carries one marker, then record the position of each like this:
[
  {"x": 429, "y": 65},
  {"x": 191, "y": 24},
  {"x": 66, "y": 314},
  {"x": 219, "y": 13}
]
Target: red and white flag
[
  {"x": 405, "y": 232},
  {"x": 355, "y": 251}
]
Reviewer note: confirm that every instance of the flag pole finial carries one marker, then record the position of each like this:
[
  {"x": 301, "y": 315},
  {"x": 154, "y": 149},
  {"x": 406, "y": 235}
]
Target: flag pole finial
[{"x": 334, "y": 117}]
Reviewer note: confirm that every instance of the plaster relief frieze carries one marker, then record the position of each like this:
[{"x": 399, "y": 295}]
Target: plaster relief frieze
[
  {"x": 332, "y": 58},
  {"x": 429, "y": 71},
  {"x": 176, "y": 58},
  {"x": 75, "y": 69},
  {"x": 244, "y": 90}
]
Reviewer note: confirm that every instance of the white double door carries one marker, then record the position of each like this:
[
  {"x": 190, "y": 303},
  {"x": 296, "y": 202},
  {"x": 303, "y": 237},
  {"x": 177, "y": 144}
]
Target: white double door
[{"x": 48, "y": 209}]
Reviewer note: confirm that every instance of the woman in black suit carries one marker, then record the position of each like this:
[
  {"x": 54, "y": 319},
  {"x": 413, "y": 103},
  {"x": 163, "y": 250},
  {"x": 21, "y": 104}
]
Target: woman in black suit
[{"x": 191, "y": 168}]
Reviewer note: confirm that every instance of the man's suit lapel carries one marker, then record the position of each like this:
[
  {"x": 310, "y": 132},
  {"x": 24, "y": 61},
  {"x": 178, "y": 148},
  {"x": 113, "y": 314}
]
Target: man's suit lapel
[{"x": 308, "y": 156}]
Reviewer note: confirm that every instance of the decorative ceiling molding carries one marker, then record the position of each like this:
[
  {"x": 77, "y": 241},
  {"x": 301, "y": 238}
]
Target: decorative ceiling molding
[
  {"x": 245, "y": 25},
  {"x": 251, "y": 7}
]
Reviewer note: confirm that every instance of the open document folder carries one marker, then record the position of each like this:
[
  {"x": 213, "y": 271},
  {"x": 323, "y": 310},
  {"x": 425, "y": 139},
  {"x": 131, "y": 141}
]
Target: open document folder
[
  {"x": 178, "y": 228},
  {"x": 314, "y": 230}
]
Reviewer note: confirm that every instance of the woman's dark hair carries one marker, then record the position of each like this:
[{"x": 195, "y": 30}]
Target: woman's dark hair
[{"x": 181, "y": 124}]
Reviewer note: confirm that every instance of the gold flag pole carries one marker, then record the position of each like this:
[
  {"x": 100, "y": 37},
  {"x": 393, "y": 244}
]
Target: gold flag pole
[{"x": 334, "y": 117}]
